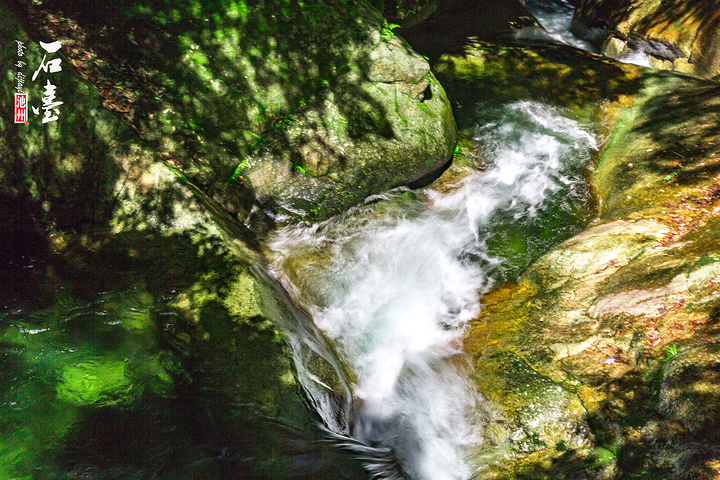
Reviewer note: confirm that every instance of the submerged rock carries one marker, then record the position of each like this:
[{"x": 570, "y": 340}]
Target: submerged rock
[{"x": 558, "y": 74}]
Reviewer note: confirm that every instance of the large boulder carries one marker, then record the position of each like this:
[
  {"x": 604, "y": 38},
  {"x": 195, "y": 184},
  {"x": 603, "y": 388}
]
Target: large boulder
[
  {"x": 292, "y": 110},
  {"x": 675, "y": 35},
  {"x": 623, "y": 317}
]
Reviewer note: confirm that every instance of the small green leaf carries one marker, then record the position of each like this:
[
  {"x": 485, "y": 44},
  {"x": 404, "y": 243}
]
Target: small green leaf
[
  {"x": 387, "y": 30},
  {"x": 238, "y": 170},
  {"x": 670, "y": 352}
]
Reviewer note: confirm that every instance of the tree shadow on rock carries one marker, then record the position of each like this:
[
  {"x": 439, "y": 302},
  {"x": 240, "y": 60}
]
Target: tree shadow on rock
[
  {"x": 647, "y": 426},
  {"x": 683, "y": 122},
  {"x": 557, "y": 74},
  {"x": 70, "y": 167},
  {"x": 209, "y": 83},
  {"x": 673, "y": 11},
  {"x": 569, "y": 465}
]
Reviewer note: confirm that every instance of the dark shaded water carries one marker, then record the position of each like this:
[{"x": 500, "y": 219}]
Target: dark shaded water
[{"x": 103, "y": 378}]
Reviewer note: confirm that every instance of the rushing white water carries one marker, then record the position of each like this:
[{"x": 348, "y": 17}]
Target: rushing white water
[
  {"x": 636, "y": 58},
  {"x": 556, "y": 16},
  {"x": 393, "y": 283}
]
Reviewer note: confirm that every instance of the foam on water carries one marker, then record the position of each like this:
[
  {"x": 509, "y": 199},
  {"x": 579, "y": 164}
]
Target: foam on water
[
  {"x": 636, "y": 58},
  {"x": 393, "y": 284},
  {"x": 556, "y": 17}
]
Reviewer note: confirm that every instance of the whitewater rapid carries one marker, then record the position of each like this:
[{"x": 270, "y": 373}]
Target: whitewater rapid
[{"x": 394, "y": 282}]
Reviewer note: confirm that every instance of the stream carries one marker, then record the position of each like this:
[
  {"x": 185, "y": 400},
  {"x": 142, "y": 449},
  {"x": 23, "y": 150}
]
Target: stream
[
  {"x": 393, "y": 283},
  {"x": 167, "y": 341},
  {"x": 105, "y": 378}
]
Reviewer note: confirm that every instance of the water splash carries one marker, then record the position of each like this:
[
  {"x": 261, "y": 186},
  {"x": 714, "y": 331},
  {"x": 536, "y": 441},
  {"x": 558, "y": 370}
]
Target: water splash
[
  {"x": 394, "y": 282},
  {"x": 637, "y": 57}
]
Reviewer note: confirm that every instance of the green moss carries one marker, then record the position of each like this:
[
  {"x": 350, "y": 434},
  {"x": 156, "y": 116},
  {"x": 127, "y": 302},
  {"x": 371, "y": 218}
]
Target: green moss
[
  {"x": 707, "y": 259},
  {"x": 100, "y": 382},
  {"x": 238, "y": 170},
  {"x": 243, "y": 301},
  {"x": 300, "y": 169}
]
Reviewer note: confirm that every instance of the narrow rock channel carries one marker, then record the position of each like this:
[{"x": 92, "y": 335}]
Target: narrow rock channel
[{"x": 393, "y": 283}]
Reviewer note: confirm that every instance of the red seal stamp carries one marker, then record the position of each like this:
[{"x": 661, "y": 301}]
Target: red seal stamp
[{"x": 21, "y": 108}]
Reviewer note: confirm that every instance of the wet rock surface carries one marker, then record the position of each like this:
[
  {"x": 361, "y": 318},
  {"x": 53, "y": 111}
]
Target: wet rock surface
[{"x": 621, "y": 318}]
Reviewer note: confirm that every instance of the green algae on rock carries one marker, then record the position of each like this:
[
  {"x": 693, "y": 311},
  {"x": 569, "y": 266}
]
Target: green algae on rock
[
  {"x": 95, "y": 383},
  {"x": 563, "y": 76}
]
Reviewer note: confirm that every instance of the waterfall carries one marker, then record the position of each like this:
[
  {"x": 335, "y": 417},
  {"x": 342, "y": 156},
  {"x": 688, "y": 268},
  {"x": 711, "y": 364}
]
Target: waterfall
[{"x": 393, "y": 283}]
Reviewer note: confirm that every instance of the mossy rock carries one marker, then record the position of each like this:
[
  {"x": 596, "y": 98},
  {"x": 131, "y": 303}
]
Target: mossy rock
[
  {"x": 560, "y": 75},
  {"x": 291, "y": 110},
  {"x": 537, "y": 413},
  {"x": 624, "y": 315}
]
